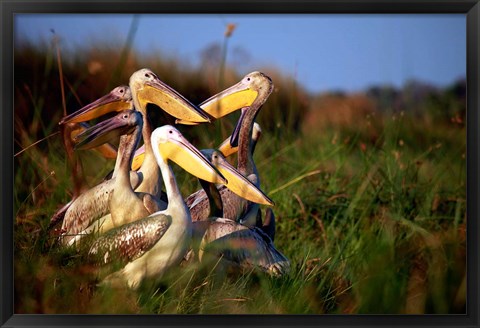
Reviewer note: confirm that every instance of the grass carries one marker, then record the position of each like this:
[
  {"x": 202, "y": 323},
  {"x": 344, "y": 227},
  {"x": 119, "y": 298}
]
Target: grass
[
  {"x": 371, "y": 212},
  {"x": 373, "y": 229}
]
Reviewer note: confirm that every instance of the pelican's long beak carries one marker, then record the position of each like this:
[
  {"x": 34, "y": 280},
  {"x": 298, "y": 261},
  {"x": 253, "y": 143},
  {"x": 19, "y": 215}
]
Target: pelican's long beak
[
  {"x": 182, "y": 152},
  {"x": 229, "y": 100},
  {"x": 226, "y": 148},
  {"x": 117, "y": 100},
  {"x": 236, "y": 131},
  {"x": 138, "y": 158},
  {"x": 171, "y": 101},
  {"x": 106, "y": 150},
  {"x": 241, "y": 185},
  {"x": 106, "y": 131}
]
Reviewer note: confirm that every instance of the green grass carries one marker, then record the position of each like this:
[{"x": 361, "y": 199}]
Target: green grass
[{"x": 378, "y": 228}]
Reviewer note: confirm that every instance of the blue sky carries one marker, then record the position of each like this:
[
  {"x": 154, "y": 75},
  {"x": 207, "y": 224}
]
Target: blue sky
[{"x": 323, "y": 52}]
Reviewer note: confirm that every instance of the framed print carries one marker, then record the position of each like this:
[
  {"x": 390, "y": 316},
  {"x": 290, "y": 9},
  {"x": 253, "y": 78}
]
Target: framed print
[{"x": 247, "y": 163}]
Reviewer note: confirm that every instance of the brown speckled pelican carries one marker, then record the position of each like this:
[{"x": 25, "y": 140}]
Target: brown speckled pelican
[
  {"x": 237, "y": 208},
  {"x": 268, "y": 224},
  {"x": 150, "y": 246},
  {"x": 234, "y": 243}
]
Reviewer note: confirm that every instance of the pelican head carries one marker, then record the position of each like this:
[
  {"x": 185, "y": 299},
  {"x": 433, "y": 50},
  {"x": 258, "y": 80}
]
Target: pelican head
[
  {"x": 238, "y": 96},
  {"x": 169, "y": 144},
  {"x": 236, "y": 182},
  {"x": 263, "y": 85},
  {"x": 147, "y": 88},
  {"x": 118, "y": 99},
  {"x": 120, "y": 124}
]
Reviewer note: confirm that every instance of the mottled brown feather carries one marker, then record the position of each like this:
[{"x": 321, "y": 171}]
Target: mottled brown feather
[
  {"x": 130, "y": 241},
  {"x": 90, "y": 206}
]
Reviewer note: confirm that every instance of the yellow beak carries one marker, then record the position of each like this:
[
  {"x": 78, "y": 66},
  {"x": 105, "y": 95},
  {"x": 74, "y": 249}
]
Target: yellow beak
[
  {"x": 227, "y": 149},
  {"x": 112, "y": 102},
  {"x": 236, "y": 97},
  {"x": 138, "y": 158},
  {"x": 241, "y": 185},
  {"x": 106, "y": 150},
  {"x": 158, "y": 93},
  {"x": 191, "y": 160}
]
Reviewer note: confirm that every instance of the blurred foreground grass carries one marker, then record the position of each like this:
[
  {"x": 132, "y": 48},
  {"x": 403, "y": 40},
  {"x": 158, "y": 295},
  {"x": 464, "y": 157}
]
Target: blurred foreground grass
[{"x": 370, "y": 201}]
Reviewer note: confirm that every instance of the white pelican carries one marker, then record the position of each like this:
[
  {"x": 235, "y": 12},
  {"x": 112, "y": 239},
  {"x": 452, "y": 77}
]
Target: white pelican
[{"x": 150, "y": 246}]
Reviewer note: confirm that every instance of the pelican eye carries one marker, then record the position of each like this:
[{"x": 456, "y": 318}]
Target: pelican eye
[
  {"x": 121, "y": 90},
  {"x": 125, "y": 116},
  {"x": 248, "y": 79},
  {"x": 147, "y": 75},
  {"x": 170, "y": 131}
]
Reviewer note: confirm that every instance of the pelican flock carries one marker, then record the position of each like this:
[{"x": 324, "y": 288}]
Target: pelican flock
[{"x": 137, "y": 221}]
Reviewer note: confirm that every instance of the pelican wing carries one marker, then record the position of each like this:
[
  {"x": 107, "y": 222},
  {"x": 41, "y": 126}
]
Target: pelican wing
[
  {"x": 130, "y": 241},
  {"x": 247, "y": 247},
  {"x": 90, "y": 206},
  {"x": 233, "y": 206},
  {"x": 59, "y": 215}
]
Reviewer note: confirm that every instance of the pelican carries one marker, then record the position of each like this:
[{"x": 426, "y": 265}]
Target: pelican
[
  {"x": 125, "y": 204},
  {"x": 267, "y": 225},
  {"x": 150, "y": 246},
  {"x": 239, "y": 245},
  {"x": 145, "y": 88},
  {"x": 237, "y": 208}
]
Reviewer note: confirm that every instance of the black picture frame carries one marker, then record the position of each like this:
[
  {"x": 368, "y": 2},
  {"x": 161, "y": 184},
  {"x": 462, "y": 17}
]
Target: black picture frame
[{"x": 471, "y": 8}]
